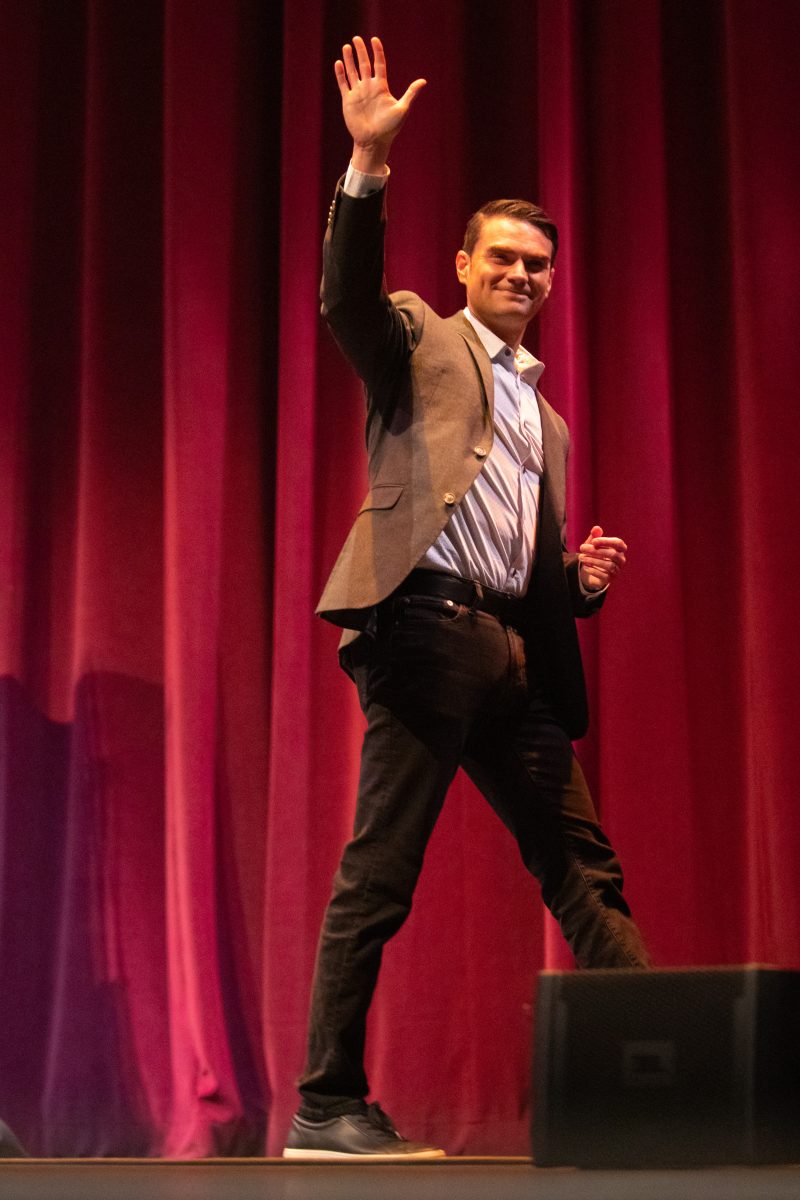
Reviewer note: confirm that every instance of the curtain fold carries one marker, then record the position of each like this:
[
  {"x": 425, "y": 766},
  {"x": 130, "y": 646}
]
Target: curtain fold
[{"x": 181, "y": 457}]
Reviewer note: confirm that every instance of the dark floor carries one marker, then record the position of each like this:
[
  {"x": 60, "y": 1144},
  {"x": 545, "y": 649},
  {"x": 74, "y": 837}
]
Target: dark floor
[{"x": 450, "y": 1179}]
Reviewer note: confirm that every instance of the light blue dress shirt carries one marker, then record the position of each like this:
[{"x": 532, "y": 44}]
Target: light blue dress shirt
[{"x": 491, "y": 536}]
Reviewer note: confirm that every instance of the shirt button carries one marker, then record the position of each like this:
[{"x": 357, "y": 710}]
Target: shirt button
[
  {"x": 480, "y": 451},
  {"x": 449, "y": 498}
]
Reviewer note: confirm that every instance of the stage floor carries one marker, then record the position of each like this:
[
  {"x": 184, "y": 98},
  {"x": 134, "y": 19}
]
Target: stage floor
[{"x": 449, "y": 1179}]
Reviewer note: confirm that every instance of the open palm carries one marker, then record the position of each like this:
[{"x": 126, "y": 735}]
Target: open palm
[{"x": 372, "y": 114}]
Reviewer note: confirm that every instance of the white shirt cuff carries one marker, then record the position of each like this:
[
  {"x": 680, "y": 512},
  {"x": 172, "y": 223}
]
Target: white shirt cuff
[
  {"x": 358, "y": 183},
  {"x": 589, "y": 591}
]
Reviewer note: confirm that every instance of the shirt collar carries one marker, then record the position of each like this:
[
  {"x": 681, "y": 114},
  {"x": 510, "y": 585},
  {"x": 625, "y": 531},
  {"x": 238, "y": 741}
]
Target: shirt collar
[{"x": 529, "y": 368}]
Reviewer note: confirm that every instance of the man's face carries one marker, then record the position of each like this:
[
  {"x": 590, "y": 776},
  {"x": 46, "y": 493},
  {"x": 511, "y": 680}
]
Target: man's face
[{"x": 508, "y": 275}]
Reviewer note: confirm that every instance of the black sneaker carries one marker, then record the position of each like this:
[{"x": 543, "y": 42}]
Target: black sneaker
[{"x": 367, "y": 1134}]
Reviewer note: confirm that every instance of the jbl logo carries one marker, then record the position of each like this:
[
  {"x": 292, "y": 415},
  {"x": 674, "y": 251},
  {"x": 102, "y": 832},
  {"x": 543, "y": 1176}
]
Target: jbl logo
[{"x": 648, "y": 1064}]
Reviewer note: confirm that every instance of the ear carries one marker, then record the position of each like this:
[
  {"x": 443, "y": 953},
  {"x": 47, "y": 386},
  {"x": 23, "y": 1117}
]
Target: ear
[
  {"x": 550, "y": 281},
  {"x": 462, "y": 263}
]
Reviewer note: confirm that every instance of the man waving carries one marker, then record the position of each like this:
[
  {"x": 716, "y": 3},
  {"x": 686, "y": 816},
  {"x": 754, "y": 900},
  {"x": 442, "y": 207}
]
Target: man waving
[{"x": 458, "y": 599}]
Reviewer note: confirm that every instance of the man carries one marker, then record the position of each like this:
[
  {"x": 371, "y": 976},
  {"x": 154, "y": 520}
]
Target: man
[{"x": 458, "y": 599}]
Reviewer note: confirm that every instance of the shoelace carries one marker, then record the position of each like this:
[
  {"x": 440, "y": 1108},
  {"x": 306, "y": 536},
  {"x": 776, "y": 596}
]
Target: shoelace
[{"x": 378, "y": 1118}]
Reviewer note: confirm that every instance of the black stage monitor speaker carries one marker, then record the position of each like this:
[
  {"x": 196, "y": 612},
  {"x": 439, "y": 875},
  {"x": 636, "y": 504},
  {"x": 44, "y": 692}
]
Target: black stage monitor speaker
[{"x": 685, "y": 1067}]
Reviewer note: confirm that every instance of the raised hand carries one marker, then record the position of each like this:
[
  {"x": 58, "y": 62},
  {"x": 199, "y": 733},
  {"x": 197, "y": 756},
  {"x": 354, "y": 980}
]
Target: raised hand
[
  {"x": 601, "y": 558},
  {"x": 372, "y": 114}
]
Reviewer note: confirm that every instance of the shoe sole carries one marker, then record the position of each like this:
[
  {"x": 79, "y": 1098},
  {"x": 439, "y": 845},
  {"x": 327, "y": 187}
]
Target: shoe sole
[{"x": 328, "y": 1155}]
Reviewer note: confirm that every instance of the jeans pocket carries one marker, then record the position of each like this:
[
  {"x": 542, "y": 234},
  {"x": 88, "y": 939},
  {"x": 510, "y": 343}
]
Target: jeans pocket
[{"x": 426, "y": 610}]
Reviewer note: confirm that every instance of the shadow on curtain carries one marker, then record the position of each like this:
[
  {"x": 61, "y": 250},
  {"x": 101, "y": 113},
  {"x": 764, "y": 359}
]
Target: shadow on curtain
[{"x": 181, "y": 457}]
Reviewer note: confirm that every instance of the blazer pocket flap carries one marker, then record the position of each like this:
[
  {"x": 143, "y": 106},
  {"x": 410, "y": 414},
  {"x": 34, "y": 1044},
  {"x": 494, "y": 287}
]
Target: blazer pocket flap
[{"x": 382, "y": 495}]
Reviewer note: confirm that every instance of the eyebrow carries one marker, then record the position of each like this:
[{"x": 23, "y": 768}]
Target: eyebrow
[{"x": 499, "y": 248}]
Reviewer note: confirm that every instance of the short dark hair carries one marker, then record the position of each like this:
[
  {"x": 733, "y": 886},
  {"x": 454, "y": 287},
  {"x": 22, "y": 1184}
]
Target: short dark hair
[{"x": 518, "y": 210}]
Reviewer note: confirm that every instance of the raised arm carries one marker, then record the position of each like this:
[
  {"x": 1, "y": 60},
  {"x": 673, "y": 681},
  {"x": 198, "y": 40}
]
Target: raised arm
[
  {"x": 371, "y": 113},
  {"x": 374, "y": 335}
]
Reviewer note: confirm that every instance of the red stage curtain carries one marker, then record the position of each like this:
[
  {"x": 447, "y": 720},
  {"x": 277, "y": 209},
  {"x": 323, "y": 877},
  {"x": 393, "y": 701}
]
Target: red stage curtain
[{"x": 181, "y": 455}]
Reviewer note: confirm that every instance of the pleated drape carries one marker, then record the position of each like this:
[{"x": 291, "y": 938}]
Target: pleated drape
[{"x": 181, "y": 456}]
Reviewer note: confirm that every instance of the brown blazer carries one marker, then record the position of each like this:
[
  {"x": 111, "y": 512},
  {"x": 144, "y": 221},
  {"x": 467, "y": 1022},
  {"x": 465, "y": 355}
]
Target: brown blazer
[{"x": 430, "y": 401}]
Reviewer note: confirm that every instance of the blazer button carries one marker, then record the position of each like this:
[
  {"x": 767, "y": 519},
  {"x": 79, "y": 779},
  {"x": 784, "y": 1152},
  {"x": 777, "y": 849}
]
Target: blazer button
[
  {"x": 480, "y": 451},
  {"x": 449, "y": 498}
]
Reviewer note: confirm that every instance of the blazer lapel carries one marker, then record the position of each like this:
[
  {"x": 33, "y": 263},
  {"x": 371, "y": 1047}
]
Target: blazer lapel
[
  {"x": 483, "y": 363},
  {"x": 555, "y": 478}
]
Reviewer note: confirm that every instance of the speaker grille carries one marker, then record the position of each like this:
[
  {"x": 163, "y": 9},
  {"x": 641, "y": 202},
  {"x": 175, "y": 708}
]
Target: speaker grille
[{"x": 684, "y": 1067}]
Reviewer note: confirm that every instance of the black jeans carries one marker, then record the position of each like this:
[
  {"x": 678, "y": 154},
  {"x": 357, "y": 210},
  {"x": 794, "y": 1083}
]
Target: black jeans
[{"x": 443, "y": 686}]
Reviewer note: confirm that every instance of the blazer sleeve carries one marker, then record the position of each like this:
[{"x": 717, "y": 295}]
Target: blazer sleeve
[
  {"x": 582, "y": 605},
  {"x": 552, "y": 513},
  {"x": 375, "y": 336}
]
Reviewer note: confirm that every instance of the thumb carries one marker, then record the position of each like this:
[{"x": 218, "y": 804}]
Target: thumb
[
  {"x": 596, "y": 532},
  {"x": 412, "y": 91}
]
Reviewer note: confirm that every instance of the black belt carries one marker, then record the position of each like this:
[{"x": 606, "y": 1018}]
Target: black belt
[{"x": 476, "y": 596}]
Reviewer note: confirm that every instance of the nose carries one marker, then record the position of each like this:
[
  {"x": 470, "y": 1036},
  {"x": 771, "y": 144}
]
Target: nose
[{"x": 517, "y": 273}]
